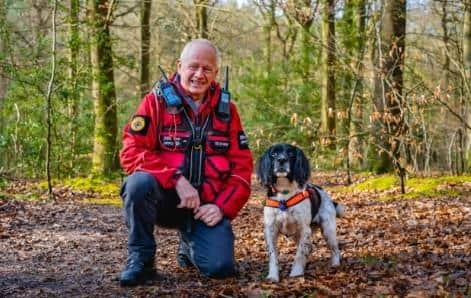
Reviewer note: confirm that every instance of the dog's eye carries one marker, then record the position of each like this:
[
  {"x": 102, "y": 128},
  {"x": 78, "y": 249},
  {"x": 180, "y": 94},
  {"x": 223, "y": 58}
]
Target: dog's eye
[
  {"x": 274, "y": 154},
  {"x": 291, "y": 154}
]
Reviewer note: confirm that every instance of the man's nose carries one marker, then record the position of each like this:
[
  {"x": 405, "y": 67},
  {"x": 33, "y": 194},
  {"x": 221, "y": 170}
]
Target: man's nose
[{"x": 199, "y": 71}]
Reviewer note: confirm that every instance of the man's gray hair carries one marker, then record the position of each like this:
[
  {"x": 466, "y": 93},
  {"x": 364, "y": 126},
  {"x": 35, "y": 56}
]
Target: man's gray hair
[{"x": 199, "y": 41}]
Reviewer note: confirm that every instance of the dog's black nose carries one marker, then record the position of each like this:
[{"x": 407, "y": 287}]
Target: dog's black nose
[{"x": 282, "y": 159}]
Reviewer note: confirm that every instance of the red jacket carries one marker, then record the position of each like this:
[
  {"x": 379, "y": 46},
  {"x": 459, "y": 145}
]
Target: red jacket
[{"x": 156, "y": 141}]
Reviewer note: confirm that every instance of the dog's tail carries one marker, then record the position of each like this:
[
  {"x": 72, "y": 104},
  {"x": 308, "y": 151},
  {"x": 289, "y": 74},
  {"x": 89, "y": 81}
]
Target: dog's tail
[{"x": 339, "y": 209}]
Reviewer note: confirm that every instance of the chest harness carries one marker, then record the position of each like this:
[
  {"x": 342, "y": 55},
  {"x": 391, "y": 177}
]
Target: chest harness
[
  {"x": 194, "y": 155},
  {"x": 310, "y": 193}
]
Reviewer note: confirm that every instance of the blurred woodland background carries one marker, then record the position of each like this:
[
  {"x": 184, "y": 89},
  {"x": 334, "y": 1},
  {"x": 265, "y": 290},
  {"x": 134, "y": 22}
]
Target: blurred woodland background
[{"x": 360, "y": 85}]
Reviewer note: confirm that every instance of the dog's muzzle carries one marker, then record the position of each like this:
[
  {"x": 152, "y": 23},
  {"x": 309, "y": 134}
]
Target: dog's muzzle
[{"x": 281, "y": 167}]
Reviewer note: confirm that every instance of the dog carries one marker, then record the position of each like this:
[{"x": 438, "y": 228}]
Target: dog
[{"x": 293, "y": 206}]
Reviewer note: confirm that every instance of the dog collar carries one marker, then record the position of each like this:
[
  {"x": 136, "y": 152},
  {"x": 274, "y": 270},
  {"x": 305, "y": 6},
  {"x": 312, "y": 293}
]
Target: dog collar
[
  {"x": 275, "y": 191},
  {"x": 283, "y": 205}
]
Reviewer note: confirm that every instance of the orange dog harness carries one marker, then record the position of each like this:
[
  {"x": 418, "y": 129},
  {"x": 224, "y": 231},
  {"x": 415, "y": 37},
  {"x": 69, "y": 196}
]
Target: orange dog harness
[{"x": 285, "y": 204}]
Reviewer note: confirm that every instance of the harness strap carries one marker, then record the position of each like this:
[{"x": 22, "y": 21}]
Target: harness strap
[
  {"x": 315, "y": 199},
  {"x": 285, "y": 204},
  {"x": 196, "y": 151}
]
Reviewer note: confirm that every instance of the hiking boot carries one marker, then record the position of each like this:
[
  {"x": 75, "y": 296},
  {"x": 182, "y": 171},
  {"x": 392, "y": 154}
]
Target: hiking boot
[
  {"x": 137, "y": 272},
  {"x": 183, "y": 255}
]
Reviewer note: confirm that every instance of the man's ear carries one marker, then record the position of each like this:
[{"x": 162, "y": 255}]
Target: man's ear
[{"x": 179, "y": 66}]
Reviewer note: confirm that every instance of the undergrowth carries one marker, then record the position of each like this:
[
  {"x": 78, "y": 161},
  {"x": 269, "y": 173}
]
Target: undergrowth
[{"x": 389, "y": 186}]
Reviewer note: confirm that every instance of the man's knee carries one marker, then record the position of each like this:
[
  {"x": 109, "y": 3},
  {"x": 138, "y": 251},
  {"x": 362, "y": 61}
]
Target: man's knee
[
  {"x": 218, "y": 267},
  {"x": 137, "y": 187},
  {"x": 215, "y": 256}
]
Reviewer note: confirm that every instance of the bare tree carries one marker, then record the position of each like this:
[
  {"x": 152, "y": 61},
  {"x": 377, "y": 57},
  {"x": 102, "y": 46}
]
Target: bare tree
[
  {"x": 49, "y": 103},
  {"x": 389, "y": 100},
  {"x": 328, "y": 113},
  {"x": 201, "y": 17}
]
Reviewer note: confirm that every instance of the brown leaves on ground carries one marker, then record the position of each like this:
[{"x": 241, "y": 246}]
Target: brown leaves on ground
[{"x": 400, "y": 248}]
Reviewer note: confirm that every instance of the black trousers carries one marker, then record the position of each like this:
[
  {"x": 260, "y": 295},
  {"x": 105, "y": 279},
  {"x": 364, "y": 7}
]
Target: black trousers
[{"x": 146, "y": 204}]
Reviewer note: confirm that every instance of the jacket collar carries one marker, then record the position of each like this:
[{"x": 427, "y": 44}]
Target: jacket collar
[{"x": 210, "y": 101}]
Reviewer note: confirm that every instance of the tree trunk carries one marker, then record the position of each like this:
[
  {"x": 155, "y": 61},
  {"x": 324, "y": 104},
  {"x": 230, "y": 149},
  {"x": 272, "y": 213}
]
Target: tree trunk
[
  {"x": 389, "y": 101},
  {"x": 446, "y": 51},
  {"x": 3, "y": 49},
  {"x": 49, "y": 103},
  {"x": 356, "y": 143},
  {"x": 146, "y": 6},
  {"x": 201, "y": 14},
  {"x": 377, "y": 157},
  {"x": 328, "y": 116},
  {"x": 74, "y": 99},
  {"x": 267, "y": 30},
  {"x": 467, "y": 72},
  {"x": 103, "y": 90},
  {"x": 3, "y": 81}
]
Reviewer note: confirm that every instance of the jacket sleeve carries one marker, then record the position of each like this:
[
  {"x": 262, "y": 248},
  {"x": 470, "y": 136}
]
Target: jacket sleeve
[
  {"x": 139, "y": 143},
  {"x": 237, "y": 189}
]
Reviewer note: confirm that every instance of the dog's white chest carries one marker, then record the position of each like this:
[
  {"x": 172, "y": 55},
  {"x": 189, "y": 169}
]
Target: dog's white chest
[{"x": 288, "y": 222}]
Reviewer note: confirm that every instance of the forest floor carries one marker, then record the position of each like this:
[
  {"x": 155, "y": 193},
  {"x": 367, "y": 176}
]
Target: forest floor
[{"x": 405, "y": 248}]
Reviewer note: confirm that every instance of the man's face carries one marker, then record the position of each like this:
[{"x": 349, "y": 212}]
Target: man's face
[{"x": 197, "y": 70}]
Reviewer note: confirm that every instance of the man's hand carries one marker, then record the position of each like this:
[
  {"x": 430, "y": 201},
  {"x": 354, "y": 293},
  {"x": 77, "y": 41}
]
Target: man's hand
[
  {"x": 210, "y": 214},
  {"x": 189, "y": 197}
]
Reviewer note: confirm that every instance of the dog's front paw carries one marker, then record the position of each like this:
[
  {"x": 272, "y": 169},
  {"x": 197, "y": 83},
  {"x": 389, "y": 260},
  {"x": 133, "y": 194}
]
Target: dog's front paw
[
  {"x": 273, "y": 277},
  {"x": 296, "y": 271},
  {"x": 335, "y": 261}
]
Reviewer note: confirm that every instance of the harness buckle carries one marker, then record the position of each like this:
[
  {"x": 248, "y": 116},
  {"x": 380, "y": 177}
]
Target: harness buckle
[
  {"x": 283, "y": 206},
  {"x": 198, "y": 138}
]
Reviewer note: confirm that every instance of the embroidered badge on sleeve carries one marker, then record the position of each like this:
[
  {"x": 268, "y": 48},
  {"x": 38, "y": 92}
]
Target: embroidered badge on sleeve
[
  {"x": 243, "y": 140},
  {"x": 139, "y": 124}
]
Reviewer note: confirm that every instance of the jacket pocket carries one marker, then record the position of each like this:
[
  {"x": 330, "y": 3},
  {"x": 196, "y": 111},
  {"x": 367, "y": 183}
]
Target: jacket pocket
[
  {"x": 218, "y": 144},
  {"x": 174, "y": 141}
]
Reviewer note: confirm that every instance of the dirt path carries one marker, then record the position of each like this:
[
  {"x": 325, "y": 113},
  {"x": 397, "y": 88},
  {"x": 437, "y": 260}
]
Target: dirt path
[{"x": 402, "y": 248}]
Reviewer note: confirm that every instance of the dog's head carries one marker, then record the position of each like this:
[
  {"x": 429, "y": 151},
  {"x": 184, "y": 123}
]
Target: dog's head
[{"x": 283, "y": 160}]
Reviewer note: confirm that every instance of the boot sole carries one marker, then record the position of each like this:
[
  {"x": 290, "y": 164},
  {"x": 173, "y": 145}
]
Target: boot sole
[{"x": 139, "y": 281}]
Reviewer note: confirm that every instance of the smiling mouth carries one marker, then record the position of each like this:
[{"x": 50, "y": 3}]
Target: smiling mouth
[{"x": 196, "y": 83}]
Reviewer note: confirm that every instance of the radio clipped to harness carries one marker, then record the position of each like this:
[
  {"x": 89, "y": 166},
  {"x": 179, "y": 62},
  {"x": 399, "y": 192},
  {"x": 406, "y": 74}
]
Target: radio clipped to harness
[
  {"x": 225, "y": 99},
  {"x": 172, "y": 100}
]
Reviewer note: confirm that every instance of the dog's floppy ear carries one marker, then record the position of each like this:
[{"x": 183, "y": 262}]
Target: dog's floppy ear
[
  {"x": 302, "y": 170},
  {"x": 265, "y": 168}
]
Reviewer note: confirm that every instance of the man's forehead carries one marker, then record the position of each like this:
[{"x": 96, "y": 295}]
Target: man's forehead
[{"x": 198, "y": 51}]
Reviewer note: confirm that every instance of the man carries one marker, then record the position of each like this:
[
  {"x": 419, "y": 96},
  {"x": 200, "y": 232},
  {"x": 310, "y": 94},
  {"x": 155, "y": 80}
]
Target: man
[{"x": 189, "y": 168}]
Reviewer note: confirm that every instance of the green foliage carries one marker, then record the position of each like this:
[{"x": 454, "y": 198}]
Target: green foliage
[
  {"x": 278, "y": 106},
  {"x": 113, "y": 201},
  {"x": 370, "y": 260},
  {"x": 30, "y": 196},
  {"x": 378, "y": 183},
  {"x": 415, "y": 187},
  {"x": 279, "y": 102},
  {"x": 105, "y": 189},
  {"x": 101, "y": 185}
]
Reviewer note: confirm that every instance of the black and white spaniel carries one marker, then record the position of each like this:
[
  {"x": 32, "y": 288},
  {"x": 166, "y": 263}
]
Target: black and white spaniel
[{"x": 293, "y": 205}]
